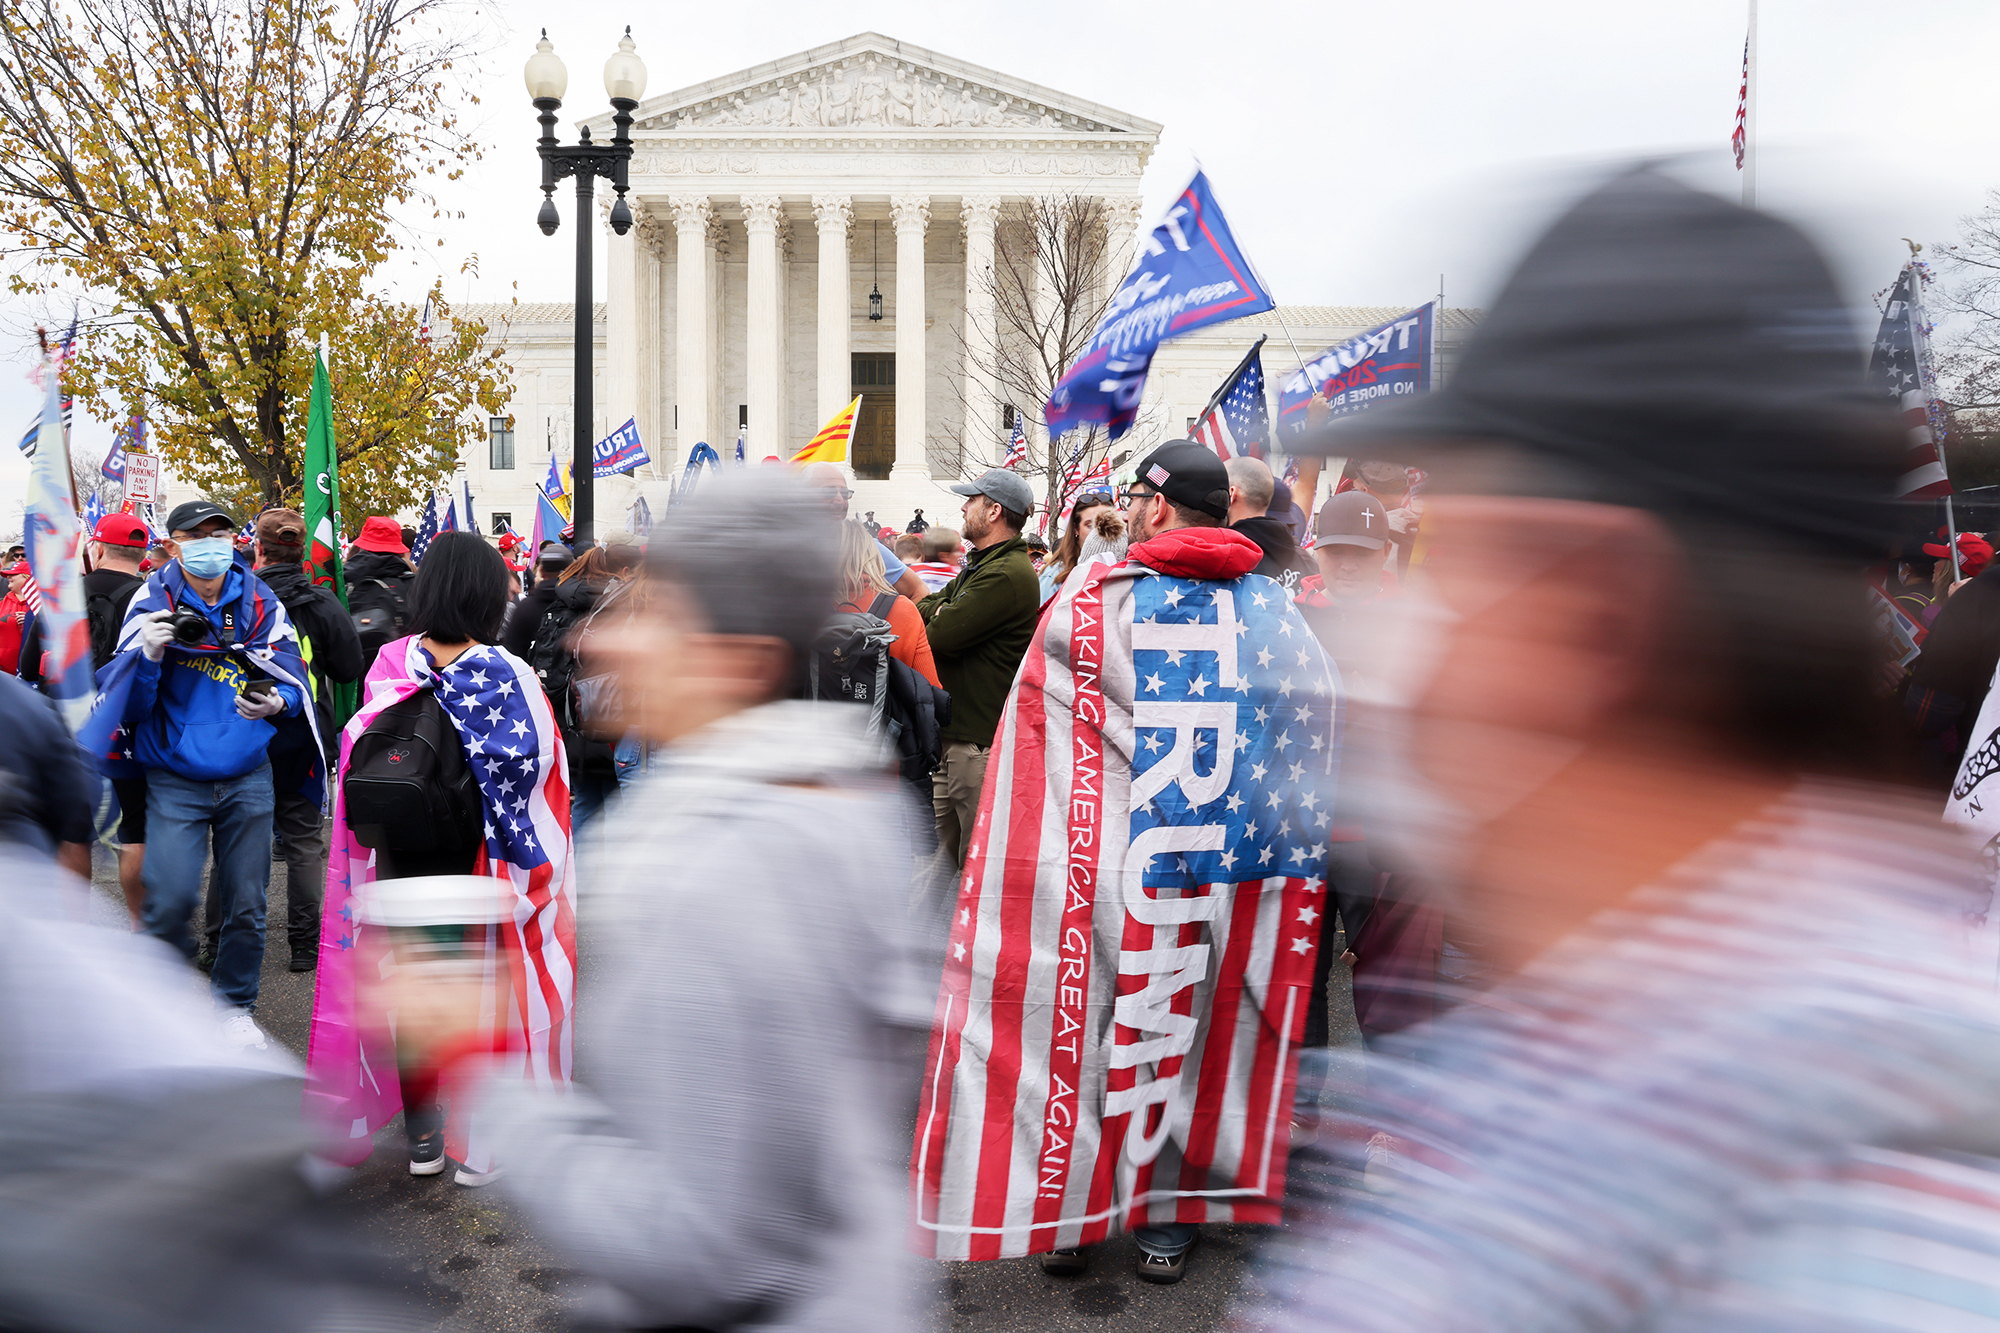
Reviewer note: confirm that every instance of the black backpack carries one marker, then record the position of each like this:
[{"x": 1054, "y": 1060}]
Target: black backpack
[
  {"x": 553, "y": 657},
  {"x": 408, "y": 786},
  {"x": 851, "y": 663},
  {"x": 380, "y": 609},
  {"x": 106, "y": 615}
]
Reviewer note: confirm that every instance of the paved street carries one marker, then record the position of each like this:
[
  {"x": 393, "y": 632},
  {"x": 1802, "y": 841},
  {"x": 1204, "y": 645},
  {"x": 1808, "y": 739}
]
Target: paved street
[{"x": 483, "y": 1270}]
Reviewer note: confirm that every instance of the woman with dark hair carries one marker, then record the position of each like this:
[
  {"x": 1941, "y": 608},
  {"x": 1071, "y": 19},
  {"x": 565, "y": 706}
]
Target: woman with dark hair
[
  {"x": 1069, "y": 550},
  {"x": 514, "y": 753},
  {"x": 543, "y": 632}
]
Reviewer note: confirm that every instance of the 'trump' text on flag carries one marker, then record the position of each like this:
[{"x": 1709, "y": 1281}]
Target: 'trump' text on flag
[{"x": 1392, "y": 360}]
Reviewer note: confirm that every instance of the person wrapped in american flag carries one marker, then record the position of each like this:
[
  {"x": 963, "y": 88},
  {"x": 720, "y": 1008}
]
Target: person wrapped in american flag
[
  {"x": 1131, "y": 958},
  {"x": 527, "y": 963}
]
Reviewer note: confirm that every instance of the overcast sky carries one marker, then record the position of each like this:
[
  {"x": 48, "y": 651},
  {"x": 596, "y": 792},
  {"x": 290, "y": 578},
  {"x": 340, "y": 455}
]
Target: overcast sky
[{"x": 1360, "y": 150}]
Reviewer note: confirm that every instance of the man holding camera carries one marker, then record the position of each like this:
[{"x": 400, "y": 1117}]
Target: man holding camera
[{"x": 206, "y": 658}]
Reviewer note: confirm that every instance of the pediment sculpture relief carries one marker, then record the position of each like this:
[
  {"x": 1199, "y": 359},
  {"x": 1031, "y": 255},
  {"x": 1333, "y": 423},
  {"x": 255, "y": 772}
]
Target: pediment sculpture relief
[{"x": 867, "y": 96}]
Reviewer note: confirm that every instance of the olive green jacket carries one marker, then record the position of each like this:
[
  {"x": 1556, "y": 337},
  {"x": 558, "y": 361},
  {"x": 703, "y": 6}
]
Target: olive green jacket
[{"x": 980, "y": 625}]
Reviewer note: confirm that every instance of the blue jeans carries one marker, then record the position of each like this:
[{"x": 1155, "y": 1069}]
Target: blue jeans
[{"x": 180, "y": 816}]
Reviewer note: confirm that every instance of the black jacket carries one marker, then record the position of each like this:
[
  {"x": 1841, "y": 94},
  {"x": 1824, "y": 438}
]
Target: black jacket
[
  {"x": 1283, "y": 560},
  {"x": 389, "y": 568},
  {"x": 526, "y": 616},
  {"x": 333, "y": 648}
]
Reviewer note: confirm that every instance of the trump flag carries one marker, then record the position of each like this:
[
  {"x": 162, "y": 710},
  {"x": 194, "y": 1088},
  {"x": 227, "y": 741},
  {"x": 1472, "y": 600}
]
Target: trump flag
[
  {"x": 1190, "y": 274},
  {"x": 1391, "y": 360},
  {"x": 1131, "y": 953}
]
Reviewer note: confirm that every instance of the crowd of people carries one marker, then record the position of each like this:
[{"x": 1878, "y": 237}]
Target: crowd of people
[{"x": 863, "y": 895}]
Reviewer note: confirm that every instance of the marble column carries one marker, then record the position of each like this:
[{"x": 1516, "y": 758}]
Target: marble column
[
  {"x": 1121, "y": 223},
  {"x": 912, "y": 214},
  {"x": 835, "y": 215},
  {"x": 984, "y": 438},
  {"x": 761, "y": 215},
  {"x": 691, "y": 214},
  {"x": 651, "y": 330},
  {"x": 621, "y": 324}
]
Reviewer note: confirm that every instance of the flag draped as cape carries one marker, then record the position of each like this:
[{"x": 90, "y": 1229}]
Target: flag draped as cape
[
  {"x": 1132, "y": 951},
  {"x": 516, "y": 754}
]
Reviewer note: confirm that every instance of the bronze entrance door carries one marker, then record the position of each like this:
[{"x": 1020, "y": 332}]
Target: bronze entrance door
[{"x": 874, "y": 445}]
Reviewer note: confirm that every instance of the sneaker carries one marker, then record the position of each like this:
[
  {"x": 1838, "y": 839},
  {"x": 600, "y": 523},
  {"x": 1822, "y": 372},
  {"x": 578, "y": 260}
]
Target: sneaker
[
  {"x": 427, "y": 1155},
  {"x": 1165, "y": 1269},
  {"x": 474, "y": 1179},
  {"x": 305, "y": 959},
  {"x": 241, "y": 1031},
  {"x": 1065, "y": 1263}
]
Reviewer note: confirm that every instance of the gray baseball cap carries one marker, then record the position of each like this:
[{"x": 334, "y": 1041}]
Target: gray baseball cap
[
  {"x": 1004, "y": 488},
  {"x": 1352, "y": 518}
]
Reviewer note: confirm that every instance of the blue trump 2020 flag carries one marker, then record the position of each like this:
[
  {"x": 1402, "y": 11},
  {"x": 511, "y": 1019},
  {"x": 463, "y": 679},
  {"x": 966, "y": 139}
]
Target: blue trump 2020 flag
[
  {"x": 1190, "y": 275},
  {"x": 1391, "y": 360}
]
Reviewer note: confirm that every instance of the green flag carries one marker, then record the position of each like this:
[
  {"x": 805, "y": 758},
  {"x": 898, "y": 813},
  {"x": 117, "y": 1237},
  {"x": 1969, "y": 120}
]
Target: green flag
[{"x": 322, "y": 515}]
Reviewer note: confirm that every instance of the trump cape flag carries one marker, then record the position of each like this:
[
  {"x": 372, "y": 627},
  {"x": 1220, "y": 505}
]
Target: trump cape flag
[
  {"x": 529, "y": 967},
  {"x": 1131, "y": 955}
]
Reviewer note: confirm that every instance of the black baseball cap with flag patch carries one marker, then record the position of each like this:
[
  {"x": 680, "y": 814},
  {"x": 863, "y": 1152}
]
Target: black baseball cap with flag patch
[{"x": 1188, "y": 474}]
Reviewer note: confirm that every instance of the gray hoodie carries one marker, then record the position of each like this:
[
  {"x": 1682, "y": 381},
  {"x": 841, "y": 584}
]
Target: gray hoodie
[{"x": 734, "y": 1151}]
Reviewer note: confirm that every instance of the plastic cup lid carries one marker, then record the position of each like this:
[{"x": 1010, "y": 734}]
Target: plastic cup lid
[{"x": 436, "y": 900}]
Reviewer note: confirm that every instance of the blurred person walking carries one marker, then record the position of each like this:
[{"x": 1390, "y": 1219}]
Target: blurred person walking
[
  {"x": 547, "y": 643},
  {"x": 207, "y": 661},
  {"x": 117, "y": 554},
  {"x": 48, "y": 798},
  {"x": 1127, "y": 978},
  {"x": 1738, "y": 1069},
  {"x": 151, "y": 1178},
  {"x": 940, "y": 557},
  {"x": 979, "y": 625},
  {"x": 730, "y": 1161},
  {"x": 449, "y": 672}
]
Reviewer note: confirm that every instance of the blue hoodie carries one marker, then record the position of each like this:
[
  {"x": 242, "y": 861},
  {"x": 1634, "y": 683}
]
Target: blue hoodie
[{"x": 182, "y": 709}]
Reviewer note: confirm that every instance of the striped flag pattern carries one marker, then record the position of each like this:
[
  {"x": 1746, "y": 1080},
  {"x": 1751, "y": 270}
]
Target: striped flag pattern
[
  {"x": 1900, "y": 367},
  {"x": 830, "y": 445},
  {"x": 1131, "y": 955},
  {"x": 1739, "y": 140},
  {"x": 1237, "y": 423},
  {"x": 516, "y": 754},
  {"x": 1017, "y": 446}
]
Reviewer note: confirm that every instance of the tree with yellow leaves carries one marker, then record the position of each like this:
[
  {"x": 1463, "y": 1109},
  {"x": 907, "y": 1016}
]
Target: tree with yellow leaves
[{"x": 216, "y": 178}]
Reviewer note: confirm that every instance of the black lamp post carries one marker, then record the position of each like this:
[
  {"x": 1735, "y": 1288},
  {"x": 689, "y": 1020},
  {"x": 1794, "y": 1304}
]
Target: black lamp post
[{"x": 625, "y": 82}]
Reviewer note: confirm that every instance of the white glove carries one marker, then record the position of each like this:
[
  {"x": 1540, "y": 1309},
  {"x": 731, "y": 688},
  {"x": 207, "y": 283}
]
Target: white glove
[
  {"x": 260, "y": 705},
  {"x": 155, "y": 634},
  {"x": 1403, "y": 521}
]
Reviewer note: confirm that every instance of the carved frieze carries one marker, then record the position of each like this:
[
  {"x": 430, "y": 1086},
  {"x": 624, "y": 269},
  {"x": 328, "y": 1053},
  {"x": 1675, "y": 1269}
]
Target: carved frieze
[{"x": 871, "y": 90}]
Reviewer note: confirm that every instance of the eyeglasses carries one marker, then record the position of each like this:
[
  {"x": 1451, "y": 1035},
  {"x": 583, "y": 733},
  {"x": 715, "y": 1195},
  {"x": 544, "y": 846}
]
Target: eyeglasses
[{"x": 1136, "y": 495}]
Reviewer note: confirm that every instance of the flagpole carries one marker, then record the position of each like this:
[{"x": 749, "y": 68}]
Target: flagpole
[
  {"x": 1750, "y": 112},
  {"x": 1216, "y": 397}
]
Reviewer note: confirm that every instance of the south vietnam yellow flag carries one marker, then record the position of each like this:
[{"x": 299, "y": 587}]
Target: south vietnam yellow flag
[{"x": 830, "y": 445}]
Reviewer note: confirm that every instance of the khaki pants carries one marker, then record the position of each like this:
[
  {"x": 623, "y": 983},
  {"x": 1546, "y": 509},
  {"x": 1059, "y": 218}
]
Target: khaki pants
[{"x": 955, "y": 800}]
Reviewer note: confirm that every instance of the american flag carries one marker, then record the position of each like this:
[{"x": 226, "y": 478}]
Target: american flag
[
  {"x": 1900, "y": 367},
  {"x": 516, "y": 755},
  {"x": 1137, "y": 925},
  {"x": 427, "y": 530},
  {"x": 1740, "y": 139},
  {"x": 1237, "y": 423},
  {"x": 1017, "y": 446}
]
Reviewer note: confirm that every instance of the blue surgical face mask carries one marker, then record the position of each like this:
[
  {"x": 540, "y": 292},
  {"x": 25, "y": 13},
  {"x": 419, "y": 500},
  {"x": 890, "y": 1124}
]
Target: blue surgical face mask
[{"x": 207, "y": 557}]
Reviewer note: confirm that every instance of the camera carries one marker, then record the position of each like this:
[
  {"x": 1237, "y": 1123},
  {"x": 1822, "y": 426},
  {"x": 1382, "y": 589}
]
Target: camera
[{"x": 189, "y": 627}]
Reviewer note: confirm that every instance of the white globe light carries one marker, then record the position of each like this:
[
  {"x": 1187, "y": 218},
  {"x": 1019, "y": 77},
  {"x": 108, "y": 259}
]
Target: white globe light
[
  {"x": 625, "y": 73},
  {"x": 545, "y": 75}
]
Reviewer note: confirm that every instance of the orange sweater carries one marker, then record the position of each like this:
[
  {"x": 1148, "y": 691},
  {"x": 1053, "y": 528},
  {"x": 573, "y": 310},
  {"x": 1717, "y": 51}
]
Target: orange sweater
[{"x": 912, "y": 646}]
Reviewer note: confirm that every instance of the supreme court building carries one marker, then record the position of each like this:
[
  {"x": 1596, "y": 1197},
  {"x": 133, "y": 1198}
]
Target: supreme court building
[{"x": 771, "y": 204}]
